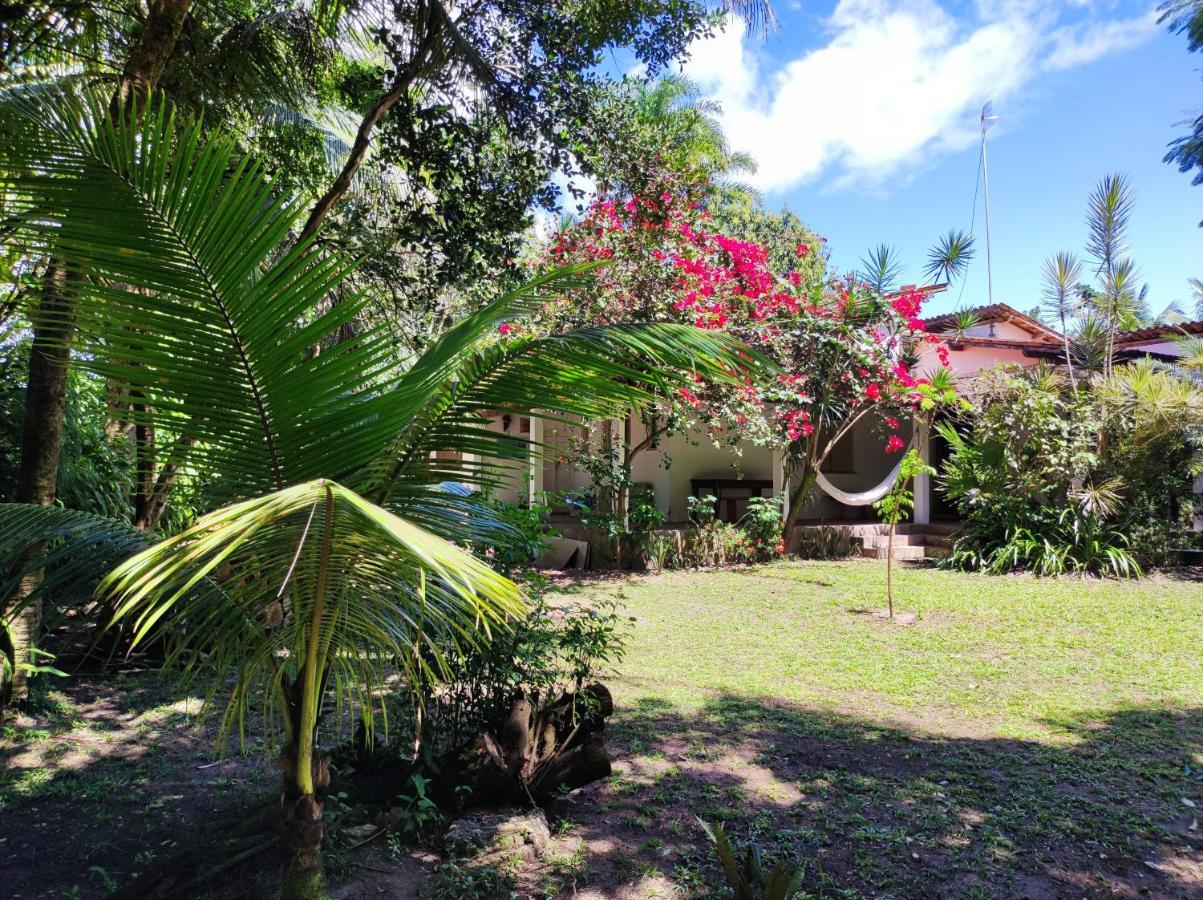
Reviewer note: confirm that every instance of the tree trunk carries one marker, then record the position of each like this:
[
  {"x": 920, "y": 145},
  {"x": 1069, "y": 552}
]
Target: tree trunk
[
  {"x": 49, "y": 358},
  {"x": 42, "y": 438},
  {"x": 149, "y": 56},
  {"x": 800, "y": 491},
  {"x": 402, "y": 82},
  {"x": 537, "y": 752},
  {"x": 304, "y": 828}
]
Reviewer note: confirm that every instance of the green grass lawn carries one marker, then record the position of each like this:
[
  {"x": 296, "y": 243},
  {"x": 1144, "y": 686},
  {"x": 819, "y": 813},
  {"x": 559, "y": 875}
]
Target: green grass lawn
[{"x": 1019, "y": 737}]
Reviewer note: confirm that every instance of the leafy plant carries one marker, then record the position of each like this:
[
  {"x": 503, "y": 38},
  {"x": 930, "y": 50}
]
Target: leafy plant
[
  {"x": 897, "y": 503},
  {"x": 822, "y": 542},
  {"x": 761, "y": 524},
  {"x": 747, "y": 878}
]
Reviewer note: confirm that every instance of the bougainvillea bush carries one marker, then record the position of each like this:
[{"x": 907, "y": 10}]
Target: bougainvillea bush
[{"x": 845, "y": 352}]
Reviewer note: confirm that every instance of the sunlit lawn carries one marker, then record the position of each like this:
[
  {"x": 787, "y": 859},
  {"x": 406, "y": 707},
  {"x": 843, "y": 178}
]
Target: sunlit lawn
[{"x": 1017, "y": 737}]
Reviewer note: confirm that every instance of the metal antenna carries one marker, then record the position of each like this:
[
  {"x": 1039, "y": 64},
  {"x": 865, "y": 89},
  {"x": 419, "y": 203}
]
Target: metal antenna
[{"x": 988, "y": 119}]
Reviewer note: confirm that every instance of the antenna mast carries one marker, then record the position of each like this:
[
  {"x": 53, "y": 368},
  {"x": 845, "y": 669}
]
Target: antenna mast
[{"x": 987, "y": 120}]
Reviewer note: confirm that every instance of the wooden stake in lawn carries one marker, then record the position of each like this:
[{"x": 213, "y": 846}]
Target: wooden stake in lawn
[{"x": 891, "y": 508}]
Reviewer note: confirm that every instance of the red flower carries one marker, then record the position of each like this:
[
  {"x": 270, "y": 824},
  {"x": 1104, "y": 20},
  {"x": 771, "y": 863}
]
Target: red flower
[
  {"x": 505, "y": 329},
  {"x": 894, "y": 444},
  {"x": 873, "y": 392}
]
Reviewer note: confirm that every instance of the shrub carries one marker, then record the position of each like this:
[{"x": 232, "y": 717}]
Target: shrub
[
  {"x": 528, "y": 532},
  {"x": 822, "y": 542},
  {"x": 1052, "y": 479},
  {"x": 762, "y": 526},
  {"x": 548, "y": 652}
]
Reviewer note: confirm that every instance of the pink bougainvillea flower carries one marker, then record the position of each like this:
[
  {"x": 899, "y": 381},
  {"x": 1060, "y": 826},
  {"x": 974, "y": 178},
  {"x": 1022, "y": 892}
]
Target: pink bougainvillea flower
[
  {"x": 506, "y": 329},
  {"x": 894, "y": 444}
]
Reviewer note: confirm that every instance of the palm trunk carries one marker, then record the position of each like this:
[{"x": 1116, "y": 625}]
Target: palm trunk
[
  {"x": 41, "y": 441},
  {"x": 306, "y": 774},
  {"x": 304, "y": 828}
]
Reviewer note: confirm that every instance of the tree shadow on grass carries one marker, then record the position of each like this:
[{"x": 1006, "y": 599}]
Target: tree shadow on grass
[
  {"x": 885, "y": 811},
  {"x": 106, "y": 777}
]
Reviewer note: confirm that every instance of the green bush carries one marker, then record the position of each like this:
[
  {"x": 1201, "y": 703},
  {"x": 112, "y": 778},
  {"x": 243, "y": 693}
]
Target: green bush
[{"x": 1055, "y": 480}]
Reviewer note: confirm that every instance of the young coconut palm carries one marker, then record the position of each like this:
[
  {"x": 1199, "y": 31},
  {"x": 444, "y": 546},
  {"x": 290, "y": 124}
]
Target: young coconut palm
[{"x": 331, "y": 566}]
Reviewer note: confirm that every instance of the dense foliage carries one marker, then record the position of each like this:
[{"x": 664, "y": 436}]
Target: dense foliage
[{"x": 1056, "y": 480}]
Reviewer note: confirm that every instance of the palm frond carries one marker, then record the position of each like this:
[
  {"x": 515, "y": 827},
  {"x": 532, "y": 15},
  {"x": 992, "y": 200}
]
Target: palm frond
[
  {"x": 187, "y": 303},
  {"x": 1109, "y": 210},
  {"x": 72, "y": 549},
  {"x": 312, "y": 572},
  {"x": 1061, "y": 274}
]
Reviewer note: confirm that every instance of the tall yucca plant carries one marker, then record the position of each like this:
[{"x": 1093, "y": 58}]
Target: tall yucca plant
[
  {"x": 1108, "y": 212},
  {"x": 1061, "y": 298},
  {"x": 331, "y": 566}
]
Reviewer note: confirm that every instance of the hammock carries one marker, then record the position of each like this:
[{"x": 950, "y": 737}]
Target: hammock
[{"x": 863, "y": 498}]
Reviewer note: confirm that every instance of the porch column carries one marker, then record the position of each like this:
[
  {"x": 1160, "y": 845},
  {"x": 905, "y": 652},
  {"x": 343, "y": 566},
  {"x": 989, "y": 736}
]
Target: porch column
[
  {"x": 923, "y": 480},
  {"x": 781, "y": 483},
  {"x": 471, "y": 464},
  {"x": 534, "y": 455}
]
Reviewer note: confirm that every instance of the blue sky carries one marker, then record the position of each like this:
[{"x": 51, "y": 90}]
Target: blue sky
[{"x": 863, "y": 116}]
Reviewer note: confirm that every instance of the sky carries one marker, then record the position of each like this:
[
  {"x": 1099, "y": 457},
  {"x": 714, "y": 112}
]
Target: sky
[{"x": 863, "y": 117}]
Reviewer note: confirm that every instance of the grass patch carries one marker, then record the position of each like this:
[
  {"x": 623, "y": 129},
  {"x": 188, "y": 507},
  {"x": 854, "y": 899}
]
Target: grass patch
[{"x": 1021, "y": 737}]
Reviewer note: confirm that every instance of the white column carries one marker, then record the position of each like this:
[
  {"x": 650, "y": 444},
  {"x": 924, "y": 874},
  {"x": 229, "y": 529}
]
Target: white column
[
  {"x": 923, "y": 480},
  {"x": 535, "y": 457},
  {"x": 471, "y": 469}
]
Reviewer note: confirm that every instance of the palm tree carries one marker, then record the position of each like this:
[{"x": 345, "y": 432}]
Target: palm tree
[
  {"x": 331, "y": 563},
  {"x": 1061, "y": 299},
  {"x": 690, "y": 132}
]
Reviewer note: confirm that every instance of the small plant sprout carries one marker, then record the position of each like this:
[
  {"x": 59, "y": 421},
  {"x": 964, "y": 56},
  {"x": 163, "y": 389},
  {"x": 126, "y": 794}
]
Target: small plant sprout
[{"x": 893, "y": 506}]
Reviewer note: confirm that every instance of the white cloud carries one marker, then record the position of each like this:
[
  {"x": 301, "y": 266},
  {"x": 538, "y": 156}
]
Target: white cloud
[
  {"x": 897, "y": 83},
  {"x": 1079, "y": 45}
]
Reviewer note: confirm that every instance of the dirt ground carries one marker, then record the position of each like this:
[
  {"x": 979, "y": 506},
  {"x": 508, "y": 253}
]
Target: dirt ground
[{"x": 109, "y": 777}]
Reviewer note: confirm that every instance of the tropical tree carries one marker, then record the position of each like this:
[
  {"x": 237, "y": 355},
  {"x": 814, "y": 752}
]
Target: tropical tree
[
  {"x": 900, "y": 501},
  {"x": 330, "y": 562},
  {"x": 1061, "y": 300},
  {"x": 1196, "y": 291},
  {"x": 1186, "y": 152},
  {"x": 647, "y": 133}
]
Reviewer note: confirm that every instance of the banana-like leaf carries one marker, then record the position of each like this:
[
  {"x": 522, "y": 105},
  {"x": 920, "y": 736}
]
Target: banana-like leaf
[{"x": 312, "y": 571}]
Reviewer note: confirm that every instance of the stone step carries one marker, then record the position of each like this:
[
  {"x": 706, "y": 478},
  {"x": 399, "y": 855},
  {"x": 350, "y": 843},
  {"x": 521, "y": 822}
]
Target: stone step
[
  {"x": 899, "y": 552},
  {"x": 900, "y": 540}
]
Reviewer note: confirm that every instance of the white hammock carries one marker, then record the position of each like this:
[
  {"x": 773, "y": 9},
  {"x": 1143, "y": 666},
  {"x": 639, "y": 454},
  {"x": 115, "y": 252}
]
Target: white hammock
[{"x": 863, "y": 498}]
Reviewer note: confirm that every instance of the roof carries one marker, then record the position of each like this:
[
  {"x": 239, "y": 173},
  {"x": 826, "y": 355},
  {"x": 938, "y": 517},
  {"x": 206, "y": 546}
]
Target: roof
[
  {"x": 996, "y": 312},
  {"x": 925, "y": 290},
  {"x": 1158, "y": 332}
]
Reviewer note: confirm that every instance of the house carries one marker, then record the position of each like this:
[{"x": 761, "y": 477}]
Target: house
[{"x": 679, "y": 466}]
